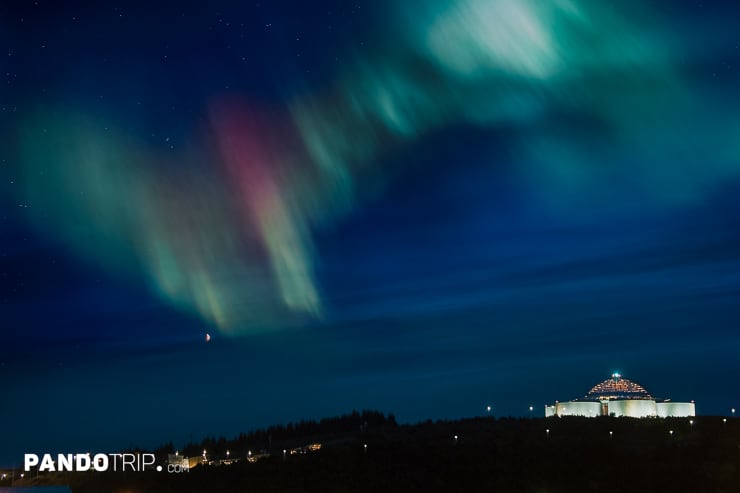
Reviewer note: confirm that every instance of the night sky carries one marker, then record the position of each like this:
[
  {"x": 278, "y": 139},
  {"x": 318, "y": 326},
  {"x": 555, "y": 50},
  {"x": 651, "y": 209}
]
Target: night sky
[{"x": 421, "y": 207}]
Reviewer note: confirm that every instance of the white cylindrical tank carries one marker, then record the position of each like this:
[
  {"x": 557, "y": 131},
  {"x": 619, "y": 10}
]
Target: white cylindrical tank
[
  {"x": 675, "y": 409},
  {"x": 575, "y": 408},
  {"x": 549, "y": 411},
  {"x": 632, "y": 408}
]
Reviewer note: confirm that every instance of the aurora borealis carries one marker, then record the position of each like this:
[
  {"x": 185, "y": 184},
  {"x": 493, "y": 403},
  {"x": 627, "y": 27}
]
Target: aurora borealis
[
  {"x": 447, "y": 175},
  {"x": 247, "y": 262}
]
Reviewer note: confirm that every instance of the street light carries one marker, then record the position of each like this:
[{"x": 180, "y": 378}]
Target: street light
[
  {"x": 691, "y": 422},
  {"x": 227, "y": 454},
  {"x": 611, "y": 434},
  {"x": 671, "y": 432},
  {"x": 488, "y": 409},
  {"x": 547, "y": 432},
  {"x": 733, "y": 412}
]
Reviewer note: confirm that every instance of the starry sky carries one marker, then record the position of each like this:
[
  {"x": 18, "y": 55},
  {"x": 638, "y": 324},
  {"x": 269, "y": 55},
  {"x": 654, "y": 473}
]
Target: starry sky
[{"x": 422, "y": 207}]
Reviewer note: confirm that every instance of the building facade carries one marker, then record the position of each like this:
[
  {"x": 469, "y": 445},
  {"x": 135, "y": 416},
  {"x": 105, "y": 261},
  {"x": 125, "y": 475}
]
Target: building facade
[{"x": 619, "y": 397}]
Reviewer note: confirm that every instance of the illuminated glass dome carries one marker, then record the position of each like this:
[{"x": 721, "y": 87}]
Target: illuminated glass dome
[{"x": 617, "y": 388}]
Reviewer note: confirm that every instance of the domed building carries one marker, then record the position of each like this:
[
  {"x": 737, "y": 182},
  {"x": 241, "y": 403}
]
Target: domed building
[{"x": 618, "y": 396}]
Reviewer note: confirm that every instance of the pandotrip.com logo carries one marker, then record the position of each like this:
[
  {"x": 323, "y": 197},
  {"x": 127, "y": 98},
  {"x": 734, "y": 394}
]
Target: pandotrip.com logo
[{"x": 99, "y": 462}]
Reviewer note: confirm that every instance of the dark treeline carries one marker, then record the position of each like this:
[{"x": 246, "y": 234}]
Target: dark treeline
[
  {"x": 605, "y": 454},
  {"x": 291, "y": 435}
]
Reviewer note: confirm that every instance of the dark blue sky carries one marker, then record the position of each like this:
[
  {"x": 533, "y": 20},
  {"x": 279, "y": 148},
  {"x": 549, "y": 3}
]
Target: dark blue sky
[{"x": 372, "y": 219}]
